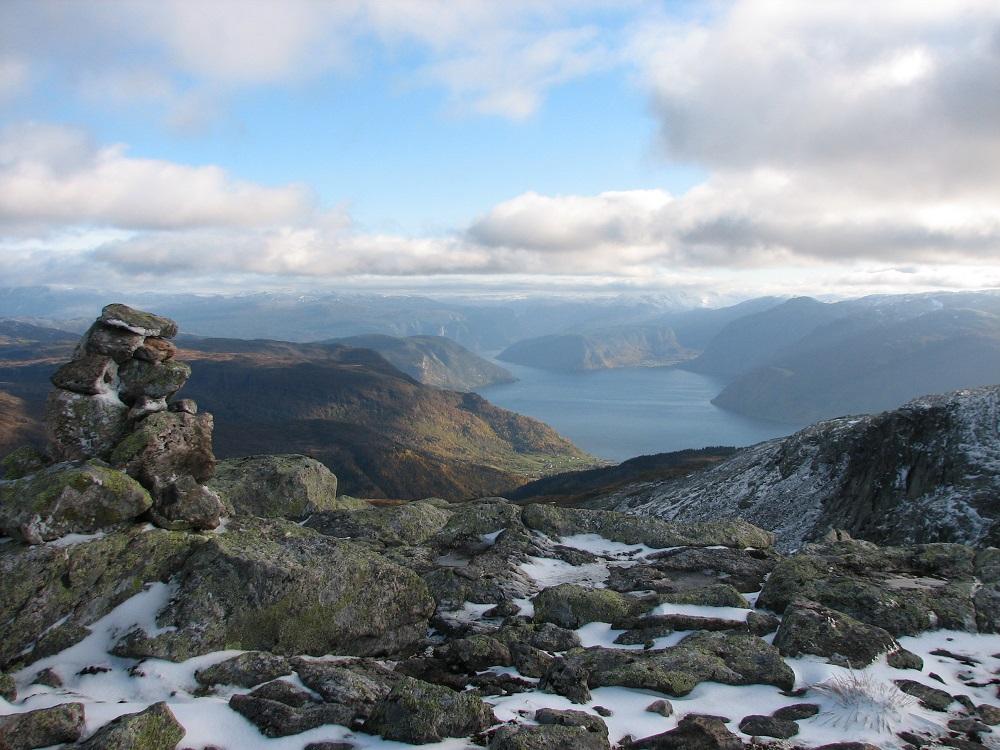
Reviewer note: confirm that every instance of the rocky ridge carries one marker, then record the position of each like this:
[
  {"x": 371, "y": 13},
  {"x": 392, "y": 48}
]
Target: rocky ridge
[
  {"x": 926, "y": 472},
  {"x": 304, "y": 620}
]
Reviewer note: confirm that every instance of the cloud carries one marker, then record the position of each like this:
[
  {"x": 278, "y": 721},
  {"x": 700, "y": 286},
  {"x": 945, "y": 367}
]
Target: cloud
[
  {"x": 490, "y": 58},
  {"x": 55, "y": 175},
  {"x": 13, "y": 77},
  {"x": 882, "y": 96}
]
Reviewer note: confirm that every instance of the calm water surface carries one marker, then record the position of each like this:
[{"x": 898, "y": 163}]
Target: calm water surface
[{"x": 618, "y": 414}]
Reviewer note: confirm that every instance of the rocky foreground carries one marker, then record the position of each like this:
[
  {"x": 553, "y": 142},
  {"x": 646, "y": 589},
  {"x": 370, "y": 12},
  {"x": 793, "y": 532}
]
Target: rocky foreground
[{"x": 294, "y": 618}]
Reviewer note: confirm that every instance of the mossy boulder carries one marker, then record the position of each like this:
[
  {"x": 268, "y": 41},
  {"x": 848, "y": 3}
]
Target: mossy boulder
[
  {"x": 271, "y": 585},
  {"x": 714, "y": 595},
  {"x": 810, "y": 628},
  {"x": 69, "y": 498},
  {"x": 904, "y": 590},
  {"x": 81, "y": 427},
  {"x": 727, "y": 657},
  {"x": 471, "y": 521},
  {"x": 282, "y": 486},
  {"x": 246, "y": 670},
  {"x": 8, "y": 688},
  {"x": 549, "y": 737},
  {"x": 48, "y": 595},
  {"x": 571, "y": 606},
  {"x": 419, "y": 712},
  {"x": 21, "y": 462},
  {"x": 156, "y": 728},
  {"x": 152, "y": 380},
  {"x": 137, "y": 321},
  {"x": 42, "y": 727},
  {"x": 166, "y": 445},
  {"x": 411, "y": 523},
  {"x": 620, "y": 527}
]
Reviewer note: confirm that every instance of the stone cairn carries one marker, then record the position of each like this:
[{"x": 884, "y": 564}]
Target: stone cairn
[{"x": 113, "y": 402}]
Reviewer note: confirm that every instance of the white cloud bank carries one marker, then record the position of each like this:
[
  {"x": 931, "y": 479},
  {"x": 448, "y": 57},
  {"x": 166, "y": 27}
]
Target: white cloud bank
[{"x": 847, "y": 145}]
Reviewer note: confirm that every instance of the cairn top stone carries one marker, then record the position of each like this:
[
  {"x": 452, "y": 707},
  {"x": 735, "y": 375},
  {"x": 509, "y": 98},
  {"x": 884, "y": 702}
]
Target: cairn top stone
[{"x": 138, "y": 321}]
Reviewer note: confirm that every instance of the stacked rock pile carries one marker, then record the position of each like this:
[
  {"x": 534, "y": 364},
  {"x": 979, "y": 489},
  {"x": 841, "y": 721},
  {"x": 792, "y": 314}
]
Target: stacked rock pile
[{"x": 112, "y": 402}]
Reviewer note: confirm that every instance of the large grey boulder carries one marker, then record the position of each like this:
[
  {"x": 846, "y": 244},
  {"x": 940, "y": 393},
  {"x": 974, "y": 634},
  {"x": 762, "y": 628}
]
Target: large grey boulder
[
  {"x": 155, "y": 728},
  {"x": 137, "y": 321},
  {"x": 170, "y": 453},
  {"x": 79, "y": 426},
  {"x": 727, "y": 657},
  {"x": 283, "y": 486},
  {"x": 904, "y": 590},
  {"x": 271, "y": 585},
  {"x": 811, "y": 628},
  {"x": 42, "y": 727},
  {"x": 49, "y": 595},
  {"x": 558, "y": 521},
  {"x": 418, "y": 712},
  {"x": 69, "y": 498}
]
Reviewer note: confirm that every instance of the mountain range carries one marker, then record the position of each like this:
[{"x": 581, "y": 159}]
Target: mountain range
[{"x": 387, "y": 434}]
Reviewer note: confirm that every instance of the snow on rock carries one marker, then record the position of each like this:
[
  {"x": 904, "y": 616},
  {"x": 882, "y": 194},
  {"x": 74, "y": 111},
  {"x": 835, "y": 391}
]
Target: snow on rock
[{"x": 928, "y": 471}]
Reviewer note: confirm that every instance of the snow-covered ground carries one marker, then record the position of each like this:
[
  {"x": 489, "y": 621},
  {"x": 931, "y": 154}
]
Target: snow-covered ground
[{"x": 110, "y": 686}]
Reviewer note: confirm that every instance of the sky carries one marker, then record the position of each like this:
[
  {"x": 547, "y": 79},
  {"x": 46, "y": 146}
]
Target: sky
[{"x": 717, "y": 148}]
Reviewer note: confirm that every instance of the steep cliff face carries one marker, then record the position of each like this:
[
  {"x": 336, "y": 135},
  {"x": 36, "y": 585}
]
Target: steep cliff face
[{"x": 929, "y": 471}]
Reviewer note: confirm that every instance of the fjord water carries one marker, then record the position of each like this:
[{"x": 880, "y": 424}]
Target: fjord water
[{"x": 621, "y": 413}]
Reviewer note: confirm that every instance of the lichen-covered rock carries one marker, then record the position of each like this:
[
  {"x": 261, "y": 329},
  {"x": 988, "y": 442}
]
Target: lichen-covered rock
[
  {"x": 557, "y": 730},
  {"x": 904, "y": 590},
  {"x": 571, "y": 606},
  {"x": 42, "y": 727},
  {"x": 69, "y": 498},
  {"x": 355, "y": 684},
  {"x": 156, "y": 728},
  {"x": 714, "y": 595},
  {"x": 49, "y": 594},
  {"x": 8, "y": 688},
  {"x": 90, "y": 374},
  {"x": 796, "y": 711},
  {"x": 142, "y": 379},
  {"x": 544, "y": 636},
  {"x": 185, "y": 504},
  {"x": 726, "y": 657},
  {"x": 411, "y": 523},
  {"x": 929, "y": 697},
  {"x": 137, "y": 321},
  {"x": 246, "y": 670},
  {"x": 110, "y": 341},
  {"x": 81, "y": 427},
  {"x": 469, "y": 522},
  {"x": 155, "y": 349},
  {"x": 559, "y": 521},
  {"x": 418, "y": 712},
  {"x": 271, "y": 585},
  {"x": 21, "y": 462},
  {"x": 768, "y": 726},
  {"x": 811, "y": 628},
  {"x": 287, "y": 716},
  {"x": 168, "y": 444},
  {"x": 283, "y": 486},
  {"x": 475, "y": 653},
  {"x": 692, "y": 733}
]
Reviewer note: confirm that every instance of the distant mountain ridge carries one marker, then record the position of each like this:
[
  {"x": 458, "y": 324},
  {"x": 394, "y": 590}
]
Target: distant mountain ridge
[
  {"x": 625, "y": 346},
  {"x": 382, "y": 432},
  {"x": 804, "y": 360},
  {"x": 927, "y": 472},
  {"x": 434, "y": 360}
]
